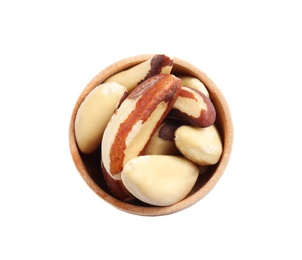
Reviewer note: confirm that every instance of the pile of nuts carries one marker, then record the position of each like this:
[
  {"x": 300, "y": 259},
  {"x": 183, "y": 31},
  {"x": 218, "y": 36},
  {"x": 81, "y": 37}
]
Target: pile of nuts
[{"x": 155, "y": 130}]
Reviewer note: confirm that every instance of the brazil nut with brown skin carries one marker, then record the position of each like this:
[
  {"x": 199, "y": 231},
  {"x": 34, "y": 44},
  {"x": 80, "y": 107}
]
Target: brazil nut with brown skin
[
  {"x": 116, "y": 187},
  {"x": 193, "y": 107},
  {"x": 135, "y": 75},
  {"x": 136, "y": 120}
]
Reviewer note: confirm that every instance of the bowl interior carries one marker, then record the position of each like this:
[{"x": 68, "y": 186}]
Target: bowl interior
[{"x": 89, "y": 165}]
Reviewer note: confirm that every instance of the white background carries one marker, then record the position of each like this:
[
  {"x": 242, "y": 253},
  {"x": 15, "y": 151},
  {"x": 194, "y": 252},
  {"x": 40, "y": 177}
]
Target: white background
[{"x": 50, "y": 50}]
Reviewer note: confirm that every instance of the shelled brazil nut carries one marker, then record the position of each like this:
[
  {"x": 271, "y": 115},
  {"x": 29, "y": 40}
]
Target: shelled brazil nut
[
  {"x": 92, "y": 119},
  {"x": 135, "y": 121},
  {"x": 151, "y": 96}
]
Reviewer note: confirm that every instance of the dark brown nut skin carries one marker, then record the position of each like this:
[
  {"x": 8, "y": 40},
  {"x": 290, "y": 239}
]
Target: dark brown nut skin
[
  {"x": 116, "y": 187},
  {"x": 135, "y": 121},
  {"x": 193, "y": 107}
]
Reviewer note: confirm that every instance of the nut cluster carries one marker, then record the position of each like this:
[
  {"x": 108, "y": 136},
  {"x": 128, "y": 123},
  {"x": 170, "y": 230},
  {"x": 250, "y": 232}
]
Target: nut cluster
[{"x": 156, "y": 132}]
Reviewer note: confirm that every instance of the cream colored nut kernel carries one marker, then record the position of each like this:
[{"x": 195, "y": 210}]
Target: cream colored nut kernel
[
  {"x": 159, "y": 180},
  {"x": 94, "y": 113},
  {"x": 162, "y": 142},
  {"x": 132, "y": 77},
  {"x": 200, "y": 145},
  {"x": 195, "y": 83}
]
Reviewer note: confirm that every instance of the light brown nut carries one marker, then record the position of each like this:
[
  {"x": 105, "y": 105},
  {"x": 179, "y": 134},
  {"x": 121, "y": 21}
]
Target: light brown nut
[
  {"x": 94, "y": 114},
  {"x": 193, "y": 107},
  {"x": 195, "y": 83},
  {"x": 200, "y": 145},
  {"x": 136, "y": 120},
  {"x": 160, "y": 180},
  {"x": 132, "y": 77},
  {"x": 162, "y": 142}
]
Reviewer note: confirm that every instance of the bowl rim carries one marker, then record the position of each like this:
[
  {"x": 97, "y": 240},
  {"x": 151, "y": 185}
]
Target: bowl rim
[{"x": 227, "y": 123}]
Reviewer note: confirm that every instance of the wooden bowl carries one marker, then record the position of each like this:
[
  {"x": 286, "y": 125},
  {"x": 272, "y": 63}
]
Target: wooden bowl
[{"x": 89, "y": 165}]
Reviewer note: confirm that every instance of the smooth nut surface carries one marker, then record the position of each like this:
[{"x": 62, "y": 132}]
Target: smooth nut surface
[
  {"x": 162, "y": 142},
  {"x": 200, "y": 145},
  {"x": 94, "y": 114},
  {"x": 159, "y": 180},
  {"x": 195, "y": 83}
]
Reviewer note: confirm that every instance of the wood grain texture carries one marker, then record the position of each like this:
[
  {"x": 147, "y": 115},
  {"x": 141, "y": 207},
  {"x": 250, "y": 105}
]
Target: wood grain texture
[{"x": 89, "y": 165}]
